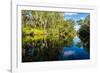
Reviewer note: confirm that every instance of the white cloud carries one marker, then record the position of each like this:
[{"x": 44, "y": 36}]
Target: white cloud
[
  {"x": 70, "y": 13},
  {"x": 77, "y": 27},
  {"x": 82, "y": 18}
]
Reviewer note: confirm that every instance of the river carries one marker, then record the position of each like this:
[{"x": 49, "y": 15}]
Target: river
[
  {"x": 74, "y": 52},
  {"x": 52, "y": 51}
]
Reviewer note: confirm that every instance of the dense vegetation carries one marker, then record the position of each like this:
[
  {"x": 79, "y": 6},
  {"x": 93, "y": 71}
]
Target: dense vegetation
[
  {"x": 44, "y": 34},
  {"x": 43, "y": 31},
  {"x": 84, "y": 32}
]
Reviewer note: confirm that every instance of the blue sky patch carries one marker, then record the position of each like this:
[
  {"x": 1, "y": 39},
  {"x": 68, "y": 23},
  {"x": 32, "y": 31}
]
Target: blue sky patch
[{"x": 75, "y": 16}]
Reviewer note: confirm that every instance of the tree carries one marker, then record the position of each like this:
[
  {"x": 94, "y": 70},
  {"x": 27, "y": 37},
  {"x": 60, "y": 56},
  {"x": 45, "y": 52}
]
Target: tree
[
  {"x": 43, "y": 31},
  {"x": 84, "y": 33},
  {"x": 80, "y": 22}
]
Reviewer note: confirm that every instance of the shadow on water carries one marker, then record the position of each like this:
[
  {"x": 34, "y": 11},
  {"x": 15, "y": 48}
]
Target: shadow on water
[
  {"x": 74, "y": 52},
  {"x": 46, "y": 49}
]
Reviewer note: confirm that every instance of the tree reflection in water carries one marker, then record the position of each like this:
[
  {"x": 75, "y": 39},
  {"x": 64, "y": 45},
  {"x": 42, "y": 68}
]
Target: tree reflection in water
[{"x": 46, "y": 49}]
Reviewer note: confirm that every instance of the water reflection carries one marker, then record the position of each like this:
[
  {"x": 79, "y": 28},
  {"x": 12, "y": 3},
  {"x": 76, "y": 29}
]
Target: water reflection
[
  {"x": 44, "y": 48},
  {"x": 74, "y": 52}
]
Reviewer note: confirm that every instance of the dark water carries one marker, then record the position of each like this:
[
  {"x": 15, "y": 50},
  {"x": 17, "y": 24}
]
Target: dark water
[
  {"x": 55, "y": 51},
  {"x": 74, "y": 52}
]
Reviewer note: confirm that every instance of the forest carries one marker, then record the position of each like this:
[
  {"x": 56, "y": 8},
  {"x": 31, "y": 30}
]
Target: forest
[{"x": 45, "y": 34}]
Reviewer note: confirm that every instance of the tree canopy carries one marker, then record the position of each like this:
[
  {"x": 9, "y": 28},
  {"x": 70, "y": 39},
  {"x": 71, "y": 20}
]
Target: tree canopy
[
  {"x": 84, "y": 32},
  {"x": 43, "y": 31}
]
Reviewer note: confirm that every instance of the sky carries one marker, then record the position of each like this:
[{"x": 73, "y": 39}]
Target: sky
[{"x": 75, "y": 16}]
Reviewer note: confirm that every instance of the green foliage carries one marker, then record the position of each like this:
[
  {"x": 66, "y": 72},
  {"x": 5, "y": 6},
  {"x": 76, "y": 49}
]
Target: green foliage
[
  {"x": 80, "y": 22},
  {"x": 44, "y": 31},
  {"x": 84, "y": 33}
]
